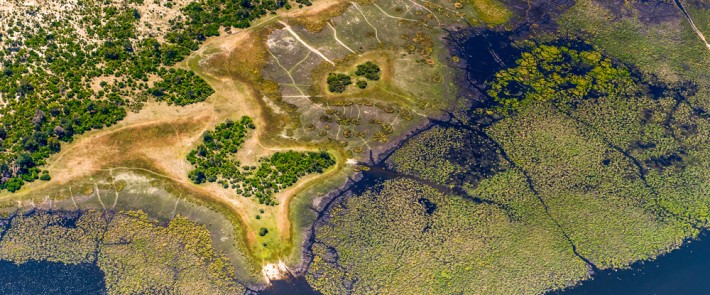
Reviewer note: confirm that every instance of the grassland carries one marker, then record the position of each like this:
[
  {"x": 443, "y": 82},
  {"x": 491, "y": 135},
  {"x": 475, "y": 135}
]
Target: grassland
[{"x": 491, "y": 12}]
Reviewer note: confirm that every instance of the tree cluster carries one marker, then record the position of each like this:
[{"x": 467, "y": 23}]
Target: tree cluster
[
  {"x": 180, "y": 87},
  {"x": 338, "y": 82},
  {"x": 214, "y": 162},
  {"x": 369, "y": 70}
]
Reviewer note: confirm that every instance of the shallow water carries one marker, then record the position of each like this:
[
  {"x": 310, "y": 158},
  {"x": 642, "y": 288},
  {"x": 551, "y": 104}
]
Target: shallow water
[{"x": 38, "y": 278}]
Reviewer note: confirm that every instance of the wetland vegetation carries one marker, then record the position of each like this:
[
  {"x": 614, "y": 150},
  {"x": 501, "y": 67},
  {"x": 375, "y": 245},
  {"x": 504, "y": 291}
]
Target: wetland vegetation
[
  {"x": 388, "y": 147},
  {"x": 136, "y": 254},
  {"x": 574, "y": 145}
]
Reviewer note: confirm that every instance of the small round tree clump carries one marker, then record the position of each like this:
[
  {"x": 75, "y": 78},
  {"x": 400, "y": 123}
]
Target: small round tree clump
[
  {"x": 263, "y": 231},
  {"x": 362, "y": 84}
]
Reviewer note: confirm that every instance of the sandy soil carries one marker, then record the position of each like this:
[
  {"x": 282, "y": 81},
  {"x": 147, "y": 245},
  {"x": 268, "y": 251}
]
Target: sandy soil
[{"x": 157, "y": 139}]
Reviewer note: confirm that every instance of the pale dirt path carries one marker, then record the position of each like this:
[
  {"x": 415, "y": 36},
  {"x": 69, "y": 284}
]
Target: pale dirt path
[
  {"x": 335, "y": 36},
  {"x": 692, "y": 24},
  {"x": 311, "y": 48},
  {"x": 367, "y": 20}
]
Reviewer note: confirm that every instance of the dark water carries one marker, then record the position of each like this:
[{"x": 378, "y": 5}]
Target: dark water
[
  {"x": 293, "y": 286},
  {"x": 38, "y": 278},
  {"x": 683, "y": 271},
  {"x": 487, "y": 53}
]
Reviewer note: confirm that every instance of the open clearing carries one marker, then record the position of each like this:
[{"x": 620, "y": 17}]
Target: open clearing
[{"x": 247, "y": 68}]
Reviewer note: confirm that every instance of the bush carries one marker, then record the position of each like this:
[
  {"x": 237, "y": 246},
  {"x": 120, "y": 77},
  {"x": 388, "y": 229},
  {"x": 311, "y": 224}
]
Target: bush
[
  {"x": 362, "y": 84},
  {"x": 45, "y": 176}
]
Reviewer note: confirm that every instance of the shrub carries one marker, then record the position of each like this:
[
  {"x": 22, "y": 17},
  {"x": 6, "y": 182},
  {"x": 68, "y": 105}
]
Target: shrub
[{"x": 338, "y": 83}]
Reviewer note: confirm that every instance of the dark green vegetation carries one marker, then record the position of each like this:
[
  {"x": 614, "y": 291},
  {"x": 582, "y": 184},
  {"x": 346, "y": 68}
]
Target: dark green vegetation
[
  {"x": 361, "y": 84},
  {"x": 369, "y": 70},
  {"x": 338, "y": 83},
  {"x": 560, "y": 75},
  {"x": 58, "y": 81},
  {"x": 137, "y": 255},
  {"x": 207, "y": 16},
  {"x": 282, "y": 170},
  {"x": 180, "y": 87},
  {"x": 213, "y": 158},
  {"x": 214, "y": 162}
]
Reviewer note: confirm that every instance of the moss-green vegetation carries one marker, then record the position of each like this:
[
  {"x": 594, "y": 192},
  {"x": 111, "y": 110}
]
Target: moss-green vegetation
[
  {"x": 369, "y": 70},
  {"x": 665, "y": 47},
  {"x": 448, "y": 156},
  {"x": 597, "y": 162},
  {"x": 136, "y": 254},
  {"x": 408, "y": 238},
  {"x": 668, "y": 134},
  {"x": 214, "y": 162},
  {"x": 491, "y": 12},
  {"x": 560, "y": 75},
  {"x": 338, "y": 82},
  {"x": 593, "y": 190}
]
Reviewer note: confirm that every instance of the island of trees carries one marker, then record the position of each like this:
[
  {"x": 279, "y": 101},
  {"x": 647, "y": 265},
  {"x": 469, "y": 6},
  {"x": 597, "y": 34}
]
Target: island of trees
[
  {"x": 339, "y": 82},
  {"x": 214, "y": 162}
]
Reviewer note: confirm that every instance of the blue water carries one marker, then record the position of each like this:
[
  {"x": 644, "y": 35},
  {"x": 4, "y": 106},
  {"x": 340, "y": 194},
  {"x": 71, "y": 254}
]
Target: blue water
[
  {"x": 39, "y": 278},
  {"x": 684, "y": 271}
]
